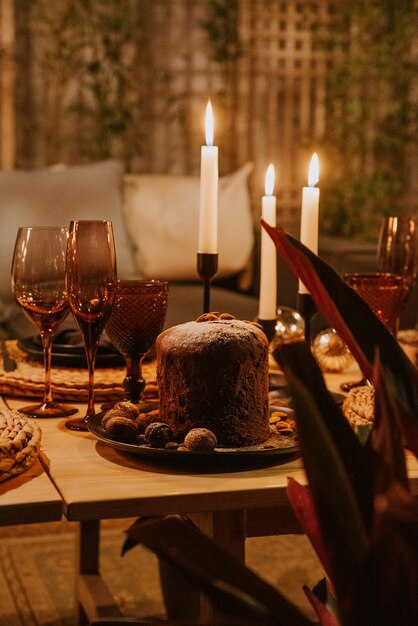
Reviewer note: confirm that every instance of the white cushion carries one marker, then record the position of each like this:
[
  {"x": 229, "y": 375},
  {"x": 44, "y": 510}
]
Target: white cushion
[
  {"x": 162, "y": 217},
  {"x": 48, "y": 197}
]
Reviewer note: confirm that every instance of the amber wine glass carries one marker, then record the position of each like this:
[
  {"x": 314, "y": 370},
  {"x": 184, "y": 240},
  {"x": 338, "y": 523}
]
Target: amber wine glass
[
  {"x": 136, "y": 320},
  {"x": 397, "y": 251},
  {"x": 38, "y": 284},
  {"x": 91, "y": 286}
]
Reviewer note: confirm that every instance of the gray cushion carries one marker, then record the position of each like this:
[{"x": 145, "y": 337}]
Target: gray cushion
[{"x": 53, "y": 198}]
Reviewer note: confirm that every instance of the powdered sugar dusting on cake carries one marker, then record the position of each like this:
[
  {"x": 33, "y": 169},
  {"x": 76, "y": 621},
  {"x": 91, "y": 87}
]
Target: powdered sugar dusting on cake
[{"x": 196, "y": 333}]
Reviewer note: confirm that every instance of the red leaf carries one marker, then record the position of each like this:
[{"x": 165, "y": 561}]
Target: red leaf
[
  {"x": 325, "y": 616},
  {"x": 234, "y": 589},
  {"x": 386, "y": 589},
  {"x": 357, "y": 324},
  {"x": 385, "y": 439},
  {"x": 302, "y": 504},
  {"x": 301, "y": 262},
  {"x": 297, "y": 358}
]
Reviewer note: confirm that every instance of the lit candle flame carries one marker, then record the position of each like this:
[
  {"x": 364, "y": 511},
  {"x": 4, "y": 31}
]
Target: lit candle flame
[
  {"x": 269, "y": 183},
  {"x": 313, "y": 176},
  {"x": 209, "y": 124}
]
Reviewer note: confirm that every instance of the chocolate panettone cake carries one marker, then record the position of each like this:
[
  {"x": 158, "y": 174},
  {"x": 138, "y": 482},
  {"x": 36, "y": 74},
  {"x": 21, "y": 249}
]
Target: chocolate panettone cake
[{"x": 213, "y": 373}]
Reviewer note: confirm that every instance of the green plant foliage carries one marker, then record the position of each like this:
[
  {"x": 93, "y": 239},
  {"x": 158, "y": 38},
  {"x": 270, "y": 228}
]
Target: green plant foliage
[
  {"x": 225, "y": 49},
  {"x": 89, "y": 46},
  {"x": 221, "y": 27},
  {"x": 370, "y": 114}
]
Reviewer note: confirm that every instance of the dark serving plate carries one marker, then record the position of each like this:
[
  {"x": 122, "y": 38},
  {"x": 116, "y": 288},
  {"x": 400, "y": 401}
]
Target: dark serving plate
[
  {"x": 68, "y": 351},
  {"x": 278, "y": 447}
]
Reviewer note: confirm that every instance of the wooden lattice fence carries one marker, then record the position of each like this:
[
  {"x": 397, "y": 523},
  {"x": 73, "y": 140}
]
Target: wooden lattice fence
[{"x": 269, "y": 101}]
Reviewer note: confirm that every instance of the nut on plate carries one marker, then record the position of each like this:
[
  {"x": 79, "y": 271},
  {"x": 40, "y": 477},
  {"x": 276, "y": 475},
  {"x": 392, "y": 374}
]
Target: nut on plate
[
  {"x": 128, "y": 409},
  {"x": 109, "y": 414},
  {"x": 157, "y": 434},
  {"x": 144, "y": 419},
  {"x": 200, "y": 439},
  {"x": 121, "y": 428}
]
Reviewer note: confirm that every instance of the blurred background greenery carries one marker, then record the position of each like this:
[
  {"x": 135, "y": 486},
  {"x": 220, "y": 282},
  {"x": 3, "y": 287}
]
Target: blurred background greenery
[{"x": 84, "y": 80}]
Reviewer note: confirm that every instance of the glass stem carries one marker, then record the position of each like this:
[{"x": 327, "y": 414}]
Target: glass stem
[
  {"x": 134, "y": 383},
  {"x": 91, "y": 352},
  {"x": 47, "y": 347}
]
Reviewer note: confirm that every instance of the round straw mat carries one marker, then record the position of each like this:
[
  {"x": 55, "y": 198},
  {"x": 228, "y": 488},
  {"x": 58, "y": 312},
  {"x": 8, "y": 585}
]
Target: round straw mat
[
  {"x": 358, "y": 406},
  {"x": 67, "y": 383},
  {"x": 20, "y": 439}
]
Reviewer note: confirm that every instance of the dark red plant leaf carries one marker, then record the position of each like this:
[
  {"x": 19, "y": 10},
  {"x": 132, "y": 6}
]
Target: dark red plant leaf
[
  {"x": 336, "y": 506},
  {"x": 297, "y": 358},
  {"x": 325, "y": 616},
  {"x": 386, "y": 591},
  {"x": 234, "y": 589},
  {"x": 385, "y": 438},
  {"x": 357, "y": 325},
  {"x": 325, "y": 285},
  {"x": 303, "y": 507}
]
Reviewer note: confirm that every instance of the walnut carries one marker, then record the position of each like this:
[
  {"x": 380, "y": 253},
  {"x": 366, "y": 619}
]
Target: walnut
[
  {"x": 109, "y": 414},
  {"x": 201, "y": 439},
  {"x": 121, "y": 428},
  {"x": 144, "y": 419},
  {"x": 158, "y": 434},
  {"x": 214, "y": 315},
  {"x": 207, "y": 317},
  {"x": 128, "y": 409}
]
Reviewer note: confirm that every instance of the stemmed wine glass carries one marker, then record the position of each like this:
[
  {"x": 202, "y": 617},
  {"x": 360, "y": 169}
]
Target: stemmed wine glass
[
  {"x": 38, "y": 284},
  {"x": 137, "y": 318},
  {"x": 91, "y": 286},
  {"x": 397, "y": 251}
]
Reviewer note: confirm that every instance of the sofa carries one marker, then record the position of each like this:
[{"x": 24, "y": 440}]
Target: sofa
[{"x": 155, "y": 221}]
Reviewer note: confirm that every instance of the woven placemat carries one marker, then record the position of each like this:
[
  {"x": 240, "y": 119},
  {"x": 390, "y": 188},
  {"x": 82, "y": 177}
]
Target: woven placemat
[
  {"x": 67, "y": 383},
  {"x": 20, "y": 439},
  {"x": 358, "y": 406}
]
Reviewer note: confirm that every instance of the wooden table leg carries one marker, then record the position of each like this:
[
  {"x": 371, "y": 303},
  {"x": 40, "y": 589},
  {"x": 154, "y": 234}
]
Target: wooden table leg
[
  {"x": 93, "y": 599},
  {"x": 183, "y": 600}
]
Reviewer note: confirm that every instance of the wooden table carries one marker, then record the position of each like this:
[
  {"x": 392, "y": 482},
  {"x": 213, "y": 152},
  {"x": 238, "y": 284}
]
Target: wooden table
[
  {"x": 29, "y": 497},
  {"x": 97, "y": 482}
]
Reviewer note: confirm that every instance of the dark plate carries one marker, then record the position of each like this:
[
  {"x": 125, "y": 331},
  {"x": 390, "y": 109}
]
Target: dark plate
[
  {"x": 279, "y": 446},
  {"x": 71, "y": 355}
]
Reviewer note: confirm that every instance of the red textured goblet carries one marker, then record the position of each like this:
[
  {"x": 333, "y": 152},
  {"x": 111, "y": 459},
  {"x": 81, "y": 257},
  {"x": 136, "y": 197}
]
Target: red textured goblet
[
  {"x": 136, "y": 320},
  {"x": 383, "y": 292}
]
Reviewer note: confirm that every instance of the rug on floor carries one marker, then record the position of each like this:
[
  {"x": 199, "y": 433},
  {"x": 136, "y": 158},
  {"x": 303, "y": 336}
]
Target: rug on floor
[{"x": 37, "y": 575}]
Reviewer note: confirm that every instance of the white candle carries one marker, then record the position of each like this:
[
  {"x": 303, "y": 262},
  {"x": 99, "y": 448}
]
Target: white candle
[
  {"x": 310, "y": 212},
  {"x": 208, "y": 213},
  {"x": 268, "y": 286}
]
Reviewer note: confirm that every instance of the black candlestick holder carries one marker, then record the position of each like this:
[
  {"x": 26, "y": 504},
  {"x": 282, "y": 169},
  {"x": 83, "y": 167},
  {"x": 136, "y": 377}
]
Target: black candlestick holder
[
  {"x": 207, "y": 266},
  {"x": 307, "y": 309},
  {"x": 269, "y": 328}
]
